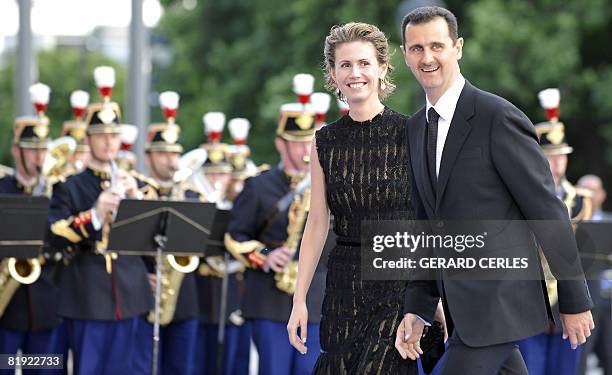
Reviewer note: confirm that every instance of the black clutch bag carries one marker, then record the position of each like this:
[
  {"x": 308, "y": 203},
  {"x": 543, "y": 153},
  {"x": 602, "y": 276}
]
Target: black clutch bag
[{"x": 432, "y": 344}]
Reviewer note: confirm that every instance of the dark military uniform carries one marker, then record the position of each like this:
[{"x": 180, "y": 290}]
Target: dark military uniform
[
  {"x": 178, "y": 337},
  {"x": 548, "y": 353},
  {"x": 33, "y": 307},
  {"x": 237, "y": 337},
  {"x": 30, "y": 321},
  {"x": 257, "y": 226},
  {"x": 102, "y": 298}
]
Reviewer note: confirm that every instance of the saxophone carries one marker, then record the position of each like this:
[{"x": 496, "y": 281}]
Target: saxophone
[
  {"x": 286, "y": 280},
  {"x": 15, "y": 272},
  {"x": 8, "y": 286},
  {"x": 174, "y": 268},
  {"x": 171, "y": 281}
]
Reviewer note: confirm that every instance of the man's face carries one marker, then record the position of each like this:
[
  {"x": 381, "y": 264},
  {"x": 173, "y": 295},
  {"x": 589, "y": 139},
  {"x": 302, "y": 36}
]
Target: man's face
[
  {"x": 295, "y": 154},
  {"x": 596, "y": 187},
  {"x": 104, "y": 146},
  {"x": 30, "y": 161},
  {"x": 219, "y": 181},
  {"x": 432, "y": 56},
  {"x": 558, "y": 166},
  {"x": 162, "y": 165}
]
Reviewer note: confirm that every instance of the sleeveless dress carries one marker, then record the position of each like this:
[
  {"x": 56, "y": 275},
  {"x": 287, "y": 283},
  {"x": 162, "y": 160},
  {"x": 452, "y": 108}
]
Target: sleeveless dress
[{"x": 367, "y": 177}]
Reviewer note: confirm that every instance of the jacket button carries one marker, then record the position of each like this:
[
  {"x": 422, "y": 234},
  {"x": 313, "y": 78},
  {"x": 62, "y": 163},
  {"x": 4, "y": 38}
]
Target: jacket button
[{"x": 440, "y": 224}]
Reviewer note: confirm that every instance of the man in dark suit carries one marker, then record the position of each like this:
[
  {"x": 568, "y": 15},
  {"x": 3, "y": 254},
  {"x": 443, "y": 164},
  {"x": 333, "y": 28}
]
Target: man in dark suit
[{"x": 476, "y": 157}]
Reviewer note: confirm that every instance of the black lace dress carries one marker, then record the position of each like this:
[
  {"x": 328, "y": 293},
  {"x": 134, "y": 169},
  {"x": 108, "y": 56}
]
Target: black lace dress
[{"x": 367, "y": 177}]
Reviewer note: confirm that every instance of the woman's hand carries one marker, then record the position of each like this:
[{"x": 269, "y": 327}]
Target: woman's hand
[{"x": 299, "y": 318}]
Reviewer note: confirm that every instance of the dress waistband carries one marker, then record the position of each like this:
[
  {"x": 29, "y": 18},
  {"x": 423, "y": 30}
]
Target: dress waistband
[{"x": 347, "y": 241}]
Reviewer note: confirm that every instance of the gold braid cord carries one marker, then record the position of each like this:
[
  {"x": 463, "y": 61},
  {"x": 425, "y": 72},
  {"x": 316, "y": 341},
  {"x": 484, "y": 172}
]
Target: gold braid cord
[{"x": 247, "y": 252}]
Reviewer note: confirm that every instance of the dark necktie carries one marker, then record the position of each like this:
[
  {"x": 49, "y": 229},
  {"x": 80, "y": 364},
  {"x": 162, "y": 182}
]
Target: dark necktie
[{"x": 432, "y": 141}]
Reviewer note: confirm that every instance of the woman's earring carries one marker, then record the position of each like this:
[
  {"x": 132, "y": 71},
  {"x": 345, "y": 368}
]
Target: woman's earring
[{"x": 383, "y": 85}]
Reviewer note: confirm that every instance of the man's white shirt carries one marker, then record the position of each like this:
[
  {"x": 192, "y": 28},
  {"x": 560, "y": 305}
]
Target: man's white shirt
[{"x": 445, "y": 107}]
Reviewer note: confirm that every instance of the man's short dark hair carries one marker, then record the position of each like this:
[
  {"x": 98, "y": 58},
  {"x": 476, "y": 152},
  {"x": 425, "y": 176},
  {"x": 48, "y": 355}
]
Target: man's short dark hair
[{"x": 426, "y": 14}]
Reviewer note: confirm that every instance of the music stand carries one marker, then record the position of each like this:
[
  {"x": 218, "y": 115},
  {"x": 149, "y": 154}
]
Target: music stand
[
  {"x": 182, "y": 227},
  {"x": 24, "y": 225},
  {"x": 216, "y": 247}
]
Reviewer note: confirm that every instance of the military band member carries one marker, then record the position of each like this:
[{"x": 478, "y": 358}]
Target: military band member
[
  {"x": 77, "y": 128},
  {"x": 549, "y": 353},
  {"x": 126, "y": 158},
  {"x": 257, "y": 232},
  {"x": 28, "y": 316},
  {"x": 239, "y": 157},
  {"x": 320, "y": 102},
  {"x": 343, "y": 107},
  {"x": 102, "y": 296},
  {"x": 217, "y": 171},
  {"x": 179, "y": 304}
]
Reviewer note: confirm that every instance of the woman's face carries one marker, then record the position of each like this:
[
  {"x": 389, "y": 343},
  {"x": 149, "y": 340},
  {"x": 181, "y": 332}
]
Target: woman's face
[{"x": 357, "y": 72}]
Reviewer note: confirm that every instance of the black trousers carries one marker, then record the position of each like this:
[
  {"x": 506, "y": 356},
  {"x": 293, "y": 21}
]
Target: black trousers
[{"x": 460, "y": 359}]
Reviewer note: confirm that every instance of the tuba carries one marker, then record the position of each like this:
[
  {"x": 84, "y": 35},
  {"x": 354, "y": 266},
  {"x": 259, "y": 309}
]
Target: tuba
[
  {"x": 286, "y": 280},
  {"x": 57, "y": 166},
  {"x": 189, "y": 173}
]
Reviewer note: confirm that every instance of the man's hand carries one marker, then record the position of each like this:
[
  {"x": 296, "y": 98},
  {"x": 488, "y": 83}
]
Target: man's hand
[
  {"x": 130, "y": 187},
  {"x": 577, "y": 327},
  {"x": 152, "y": 281},
  {"x": 278, "y": 258},
  {"x": 108, "y": 201},
  {"x": 408, "y": 337}
]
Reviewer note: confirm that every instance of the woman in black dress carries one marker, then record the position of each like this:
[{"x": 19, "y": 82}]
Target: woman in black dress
[{"x": 360, "y": 171}]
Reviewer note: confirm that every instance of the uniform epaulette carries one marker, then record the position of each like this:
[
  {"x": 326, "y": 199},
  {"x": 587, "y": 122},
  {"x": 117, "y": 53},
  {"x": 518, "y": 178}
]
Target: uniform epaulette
[
  {"x": 583, "y": 192},
  {"x": 578, "y": 202},
  {"x": 189, "y": 186},
  {"x": 263, "y": 168},
  {"x": 6, "y": 171},
  {"x": 67, "y": 173},
  {"x": 144, "y": 179}
]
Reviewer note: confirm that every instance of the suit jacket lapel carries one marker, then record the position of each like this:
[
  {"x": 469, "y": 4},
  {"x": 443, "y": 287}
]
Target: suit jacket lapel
[
  {"x": 418, "y": 156},
  {"x": 457, "y": 134}
]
